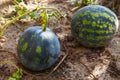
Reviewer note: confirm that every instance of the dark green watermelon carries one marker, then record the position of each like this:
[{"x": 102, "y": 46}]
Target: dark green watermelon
[
  {"x": 94, "y": 25},
  {"x": 38, "y": 50}
]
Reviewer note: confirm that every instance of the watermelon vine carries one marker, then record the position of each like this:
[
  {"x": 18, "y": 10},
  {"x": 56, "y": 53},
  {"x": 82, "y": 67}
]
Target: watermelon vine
[
  {"x": 44, "y": 16},
  {"x": 16, "y": 75}
]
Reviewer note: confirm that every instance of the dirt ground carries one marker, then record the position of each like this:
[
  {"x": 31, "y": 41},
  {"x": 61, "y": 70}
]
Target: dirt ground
[{"x": 80, "y": 64}]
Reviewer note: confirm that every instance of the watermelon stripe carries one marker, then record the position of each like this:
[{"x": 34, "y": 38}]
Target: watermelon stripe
[
  {"x": 94, "y": 37},
  {"x": 95, "y": 14},
  {"x": 93, "y": 40},
  {"x": 36, "y": 59},
  {"x": 104, "y": 26},
  {"x": 99, "y": 32},
  {"x": 38, "y": 50},
  {"x": 24, "y": 47},
  {"x": 97, "y": 20}
]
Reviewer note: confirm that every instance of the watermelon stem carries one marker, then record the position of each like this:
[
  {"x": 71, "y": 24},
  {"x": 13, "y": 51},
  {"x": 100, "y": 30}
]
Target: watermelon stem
[
  {"x": 45, "y": 22},
  {"x": 28, "y": 12}
]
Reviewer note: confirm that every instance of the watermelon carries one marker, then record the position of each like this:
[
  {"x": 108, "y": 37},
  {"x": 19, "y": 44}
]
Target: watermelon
[
  {"x": 94, "y": 25},
  {"x": 38, "y": 49}
]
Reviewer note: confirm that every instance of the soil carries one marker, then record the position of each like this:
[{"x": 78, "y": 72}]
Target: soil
[{"x": 81, "y": 63}]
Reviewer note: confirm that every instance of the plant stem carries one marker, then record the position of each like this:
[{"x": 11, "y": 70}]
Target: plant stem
[
  {"x": 55, "y": 9},
  {"x": 46, "y": 17},
  {"x": 11, "y": 21},
  {"x": 18, "y": 17}
]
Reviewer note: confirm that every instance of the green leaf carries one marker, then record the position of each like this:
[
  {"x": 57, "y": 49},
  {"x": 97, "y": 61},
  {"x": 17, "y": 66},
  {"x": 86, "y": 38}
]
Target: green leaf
[
  {"x": 16, "y": 75},
  {"x": 33, "y": 15},
  {"x": 18, "y": 1},
  {"x": 21, "y": 9},
  {"x": 16, "y": 8},
  {"x": 20, "y": 12}
]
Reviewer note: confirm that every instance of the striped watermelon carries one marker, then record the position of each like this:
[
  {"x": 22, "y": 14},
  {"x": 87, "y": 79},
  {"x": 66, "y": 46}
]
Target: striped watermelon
[
  {"x": 94, "y": 25},
  {"x": 38, "y": 50}
]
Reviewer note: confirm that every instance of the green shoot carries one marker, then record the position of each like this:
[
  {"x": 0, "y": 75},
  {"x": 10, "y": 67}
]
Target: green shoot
[{"x": 44, "y": 19}]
